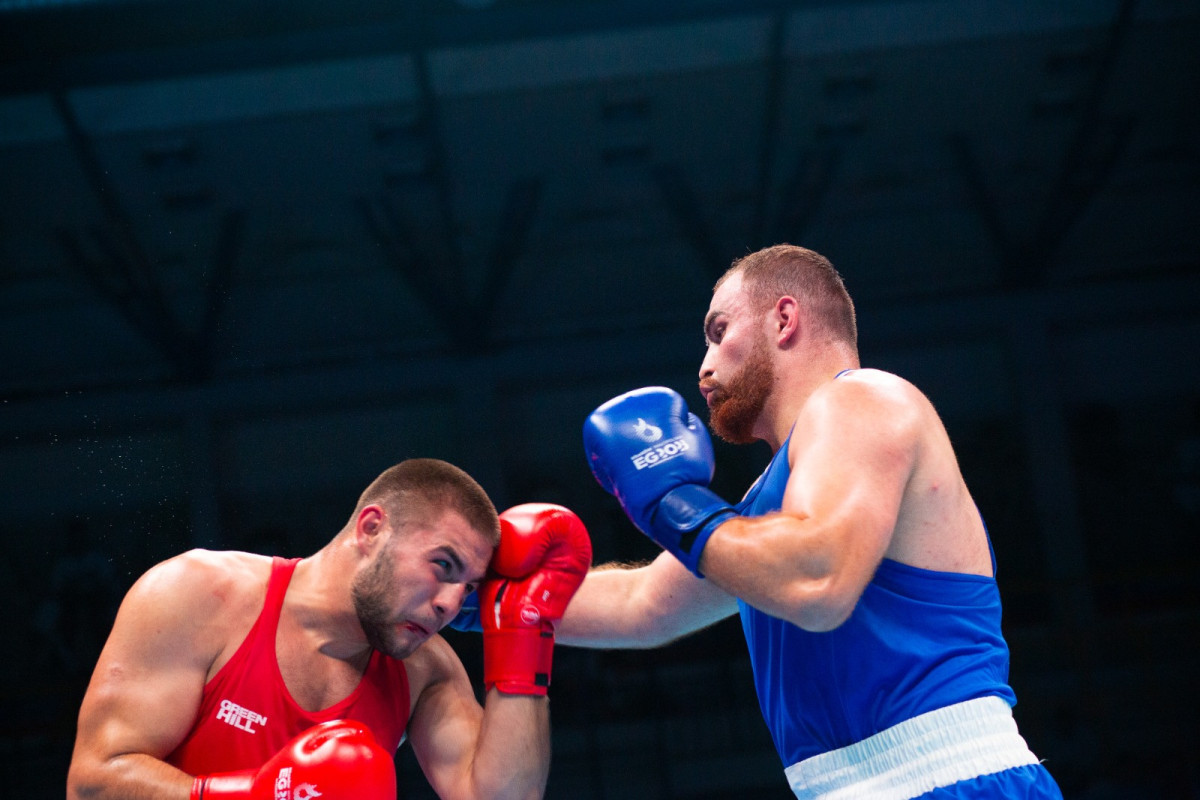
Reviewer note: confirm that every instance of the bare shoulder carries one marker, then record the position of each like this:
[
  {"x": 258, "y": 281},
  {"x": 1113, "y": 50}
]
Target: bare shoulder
[
  {"x": 876, "y": 385},
  {"x": 870, "y": 397},
  {"x": 216, "y": 580},
  {"x": 200, "y": 593},
  {"x": 937, "y": 526}
]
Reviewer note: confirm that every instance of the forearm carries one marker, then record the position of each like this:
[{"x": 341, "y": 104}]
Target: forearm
[
  {"x": 512, "y": 757},
  {"x": 640, "y": 607},
  {"x": 603, "y": 612},
  {"x": 132, "y": 776},
  {"x": 777, "y": 565}
]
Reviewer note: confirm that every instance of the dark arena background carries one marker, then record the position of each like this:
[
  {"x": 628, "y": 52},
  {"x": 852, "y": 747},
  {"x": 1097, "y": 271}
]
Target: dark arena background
[{"x": 252, "y": 253}]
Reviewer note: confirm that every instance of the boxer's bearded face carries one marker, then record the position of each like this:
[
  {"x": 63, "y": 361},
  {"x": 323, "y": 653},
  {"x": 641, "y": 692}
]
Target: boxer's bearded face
[
  {"x": 416, "y": 582},
  {"x": 395, "y": 602},
  {"x": 374, "y": 591},
  {"x": 736, "y": 404}
]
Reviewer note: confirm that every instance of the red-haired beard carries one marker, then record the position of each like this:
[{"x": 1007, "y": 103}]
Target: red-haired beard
[{"x": 736, "y": 404}]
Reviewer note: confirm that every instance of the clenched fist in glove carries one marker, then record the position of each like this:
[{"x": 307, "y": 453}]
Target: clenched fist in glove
[
  {"x": 542, "y": 558},
  {"x": 338, "y": 760},
  {"x": 652, "y": 454}
]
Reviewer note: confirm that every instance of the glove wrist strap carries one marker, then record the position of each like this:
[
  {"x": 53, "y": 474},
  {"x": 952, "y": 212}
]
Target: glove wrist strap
[
  {"x": 684, "y": 520},
  {"x": 518, "y": 660}
]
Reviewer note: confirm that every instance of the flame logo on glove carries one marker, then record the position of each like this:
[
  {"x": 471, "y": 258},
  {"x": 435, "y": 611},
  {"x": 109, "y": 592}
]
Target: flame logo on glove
[{"x": 647, "y": 432}]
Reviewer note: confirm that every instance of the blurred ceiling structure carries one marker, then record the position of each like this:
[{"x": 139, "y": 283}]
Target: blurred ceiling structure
[
  {"x": 252, "y": 252},
  {"x": 206, "y": 191}
]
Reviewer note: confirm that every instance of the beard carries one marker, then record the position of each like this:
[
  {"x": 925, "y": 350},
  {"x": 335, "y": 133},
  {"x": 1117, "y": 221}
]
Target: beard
[
  {"x": 371, "y": 591},
  {"x": 738, "y": 403}
]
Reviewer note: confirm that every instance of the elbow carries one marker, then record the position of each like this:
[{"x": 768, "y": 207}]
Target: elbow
[
  {"x": 83, "y": 783},
  {"x": 91, "y": 777},
  {"x": 820, "y": 620},
  {"x": 820, "y": 606}
]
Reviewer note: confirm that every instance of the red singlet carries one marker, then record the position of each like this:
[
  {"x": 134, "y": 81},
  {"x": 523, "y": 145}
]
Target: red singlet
[{"x": 247, "y": 715}]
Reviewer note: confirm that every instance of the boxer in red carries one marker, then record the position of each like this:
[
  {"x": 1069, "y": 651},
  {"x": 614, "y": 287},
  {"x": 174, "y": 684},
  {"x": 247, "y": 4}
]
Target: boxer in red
[{"x": 235, "y": 675}]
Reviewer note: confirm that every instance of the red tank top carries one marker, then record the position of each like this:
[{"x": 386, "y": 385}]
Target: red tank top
[{"x": 247, "y": 715}]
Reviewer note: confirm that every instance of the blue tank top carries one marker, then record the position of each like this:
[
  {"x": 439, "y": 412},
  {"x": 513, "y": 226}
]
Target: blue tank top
[{"x": 918, "y": 640}]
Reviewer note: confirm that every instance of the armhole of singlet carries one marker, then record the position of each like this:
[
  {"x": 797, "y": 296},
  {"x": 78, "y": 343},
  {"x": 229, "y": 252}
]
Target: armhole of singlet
[
  {"x": 988, "y": 537},
  {"x": 268, "y": 614},
  {"x": 282, "y": 570}
]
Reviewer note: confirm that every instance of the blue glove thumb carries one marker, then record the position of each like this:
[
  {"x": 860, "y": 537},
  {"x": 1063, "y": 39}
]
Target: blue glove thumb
[{"x": 468, "y": 618}]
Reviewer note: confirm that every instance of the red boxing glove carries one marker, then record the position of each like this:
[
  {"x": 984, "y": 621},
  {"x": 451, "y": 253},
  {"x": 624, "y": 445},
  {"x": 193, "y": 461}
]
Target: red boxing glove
[
  {"x": 338, "y": 760},
  {"x": 543, "y": 556}
]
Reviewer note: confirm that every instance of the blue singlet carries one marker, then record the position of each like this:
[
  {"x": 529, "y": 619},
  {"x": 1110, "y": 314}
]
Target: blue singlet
[{"x": 917, "y": 641}]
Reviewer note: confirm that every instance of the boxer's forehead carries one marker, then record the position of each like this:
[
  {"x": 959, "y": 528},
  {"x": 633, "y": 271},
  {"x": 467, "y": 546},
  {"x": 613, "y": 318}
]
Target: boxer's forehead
[
  {"x": 725, "y": 294},
  {"x": 728, "y": 300},
  {"x": 450, "y": 532}
]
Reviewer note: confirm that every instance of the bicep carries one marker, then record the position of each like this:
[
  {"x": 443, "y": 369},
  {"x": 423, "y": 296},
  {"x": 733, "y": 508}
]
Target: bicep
[
  {"x": 445, "y": 723},
  {"x": 148, "y": 681},
  {"x": 850, "y": 458},
  {"x": 851, "y": 464}
]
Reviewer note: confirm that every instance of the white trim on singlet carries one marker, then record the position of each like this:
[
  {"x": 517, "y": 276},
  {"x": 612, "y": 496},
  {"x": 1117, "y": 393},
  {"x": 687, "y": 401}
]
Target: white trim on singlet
[{"x": 932, "y": 750}]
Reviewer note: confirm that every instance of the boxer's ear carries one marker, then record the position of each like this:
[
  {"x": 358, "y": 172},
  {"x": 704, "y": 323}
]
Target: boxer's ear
[
  {"x": 785, "y": 318},
  {"x": 369, "y": 526}
]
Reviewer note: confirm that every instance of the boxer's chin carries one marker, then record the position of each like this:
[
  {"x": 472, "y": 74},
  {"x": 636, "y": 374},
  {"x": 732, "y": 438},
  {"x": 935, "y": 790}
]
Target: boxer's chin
[
  {"x": 740, "y": 402},
  {"x": 733, "y": 421}
]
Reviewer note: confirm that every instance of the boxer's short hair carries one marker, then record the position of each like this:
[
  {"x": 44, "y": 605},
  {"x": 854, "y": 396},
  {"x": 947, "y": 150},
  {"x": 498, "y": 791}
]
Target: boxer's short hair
[
  {"x": 417, "y": 490},
  {"x": 808, "y": 276}
]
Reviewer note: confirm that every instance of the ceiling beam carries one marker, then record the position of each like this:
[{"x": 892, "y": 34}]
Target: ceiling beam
[
  {"x": 218, "y": 289},
  {"x": 1096, "y": 145},
  {"x": 683, "y": 202},
  {"x": 438, "y": 173},
  {"x": 521, "y": 203},
  {"x": 89, "y": 44},
  {"x": 125, "y": 276},
  {"x": 805, "y": 191},
  {"x": 402, "y": 250},
  {"x": 768, "y": 143},
  {"x": 423, "y": 272}
]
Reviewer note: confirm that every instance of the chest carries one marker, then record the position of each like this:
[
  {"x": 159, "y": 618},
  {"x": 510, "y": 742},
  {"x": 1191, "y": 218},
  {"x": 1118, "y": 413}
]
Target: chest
[{"x": 315, "y": 680}]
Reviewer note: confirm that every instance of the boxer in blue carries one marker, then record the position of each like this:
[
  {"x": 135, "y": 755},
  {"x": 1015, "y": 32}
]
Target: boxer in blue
[{"x": 858, "y": 561}]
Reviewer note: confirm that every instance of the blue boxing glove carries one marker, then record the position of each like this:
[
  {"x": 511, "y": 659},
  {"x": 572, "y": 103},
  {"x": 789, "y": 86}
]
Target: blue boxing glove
[
  {"x": 468, "y": 618},
  {"x": 647, "y": 450}
]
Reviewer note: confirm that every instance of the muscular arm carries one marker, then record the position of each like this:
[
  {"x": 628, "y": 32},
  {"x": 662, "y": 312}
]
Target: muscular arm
[
  {"x": 468, "y": 752},
  {"x": 147, "y": 684},
  {"x": 853, "y": 450},
  {"x": 644, "y": 606}
]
